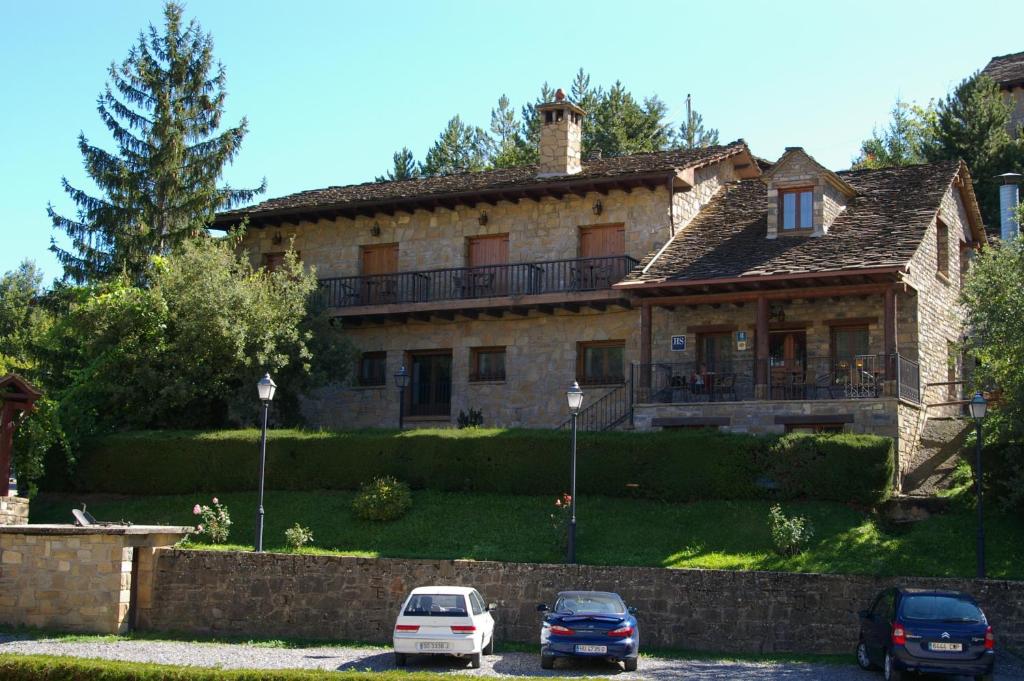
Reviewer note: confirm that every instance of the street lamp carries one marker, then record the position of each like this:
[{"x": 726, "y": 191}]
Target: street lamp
[
  {"x": 978, "y": 406},
  {"x": 401, "y": 380},
  {"x": 575, "y": 397},
  {"x": 265, "y": 388}
]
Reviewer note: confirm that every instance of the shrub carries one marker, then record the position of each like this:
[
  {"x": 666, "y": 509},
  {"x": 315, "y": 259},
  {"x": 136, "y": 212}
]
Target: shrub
[
  {"x": 669, "y": 465},
  {"x": 214, "y": 521},
  {"x": 560, "y": 518},
  {"x": 473, "y": 419},
  {"x": 298, "y": 536},
  {"x": 385, "y": 498},
  {"x": 789, "y": 534}
]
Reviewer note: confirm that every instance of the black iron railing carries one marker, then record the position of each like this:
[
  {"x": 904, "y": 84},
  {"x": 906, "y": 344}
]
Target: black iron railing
[
  {"x": 609, "y": 411},
  {"x": 460, "y": 283},
  {"x": 813, "y": 378}
]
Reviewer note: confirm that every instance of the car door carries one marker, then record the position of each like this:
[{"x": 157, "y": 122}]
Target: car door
[
  {"x": 481, "y": 617},
  {"x": 877, "y": 627}
]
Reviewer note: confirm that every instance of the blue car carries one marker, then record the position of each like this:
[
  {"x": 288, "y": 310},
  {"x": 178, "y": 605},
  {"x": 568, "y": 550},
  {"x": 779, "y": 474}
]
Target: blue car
[
  {"x": 914, "y": 630},
  {"x": 589, "y": 624}
]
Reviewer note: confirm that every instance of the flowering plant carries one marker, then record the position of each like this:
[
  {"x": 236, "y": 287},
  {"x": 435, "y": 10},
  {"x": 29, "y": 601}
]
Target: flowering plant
[
  {"x": 560, "y": 518},
  {"x": 214, "y": 521}
]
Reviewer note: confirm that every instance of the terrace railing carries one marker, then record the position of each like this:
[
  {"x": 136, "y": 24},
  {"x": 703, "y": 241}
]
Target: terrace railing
[
  {"x": 461, "y": 283},
  {"x": 813, "y": 378}
]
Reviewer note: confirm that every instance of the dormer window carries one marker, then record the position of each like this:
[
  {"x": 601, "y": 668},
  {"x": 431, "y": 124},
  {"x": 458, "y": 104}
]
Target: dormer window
[{"x": 797, "y": 208}]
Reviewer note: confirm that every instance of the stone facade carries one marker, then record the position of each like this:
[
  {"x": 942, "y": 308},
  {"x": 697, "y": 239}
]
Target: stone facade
[
  {"x": 13, "y": 511},
  {"x": 1014, "y": 96},
  {"x": 797, "y": 170},
  {"x": 78, "y": 578},
  {"x": 561, "y": 139},
  {"x": 341, "y": 598}
]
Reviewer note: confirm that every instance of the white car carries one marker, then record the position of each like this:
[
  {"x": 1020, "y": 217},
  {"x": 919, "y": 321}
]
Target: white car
[{"x": 444, "y": 620}]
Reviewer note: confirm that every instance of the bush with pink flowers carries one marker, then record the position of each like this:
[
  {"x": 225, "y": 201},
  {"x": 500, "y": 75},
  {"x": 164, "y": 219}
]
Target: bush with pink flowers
[{"x": 214, "y": 521}]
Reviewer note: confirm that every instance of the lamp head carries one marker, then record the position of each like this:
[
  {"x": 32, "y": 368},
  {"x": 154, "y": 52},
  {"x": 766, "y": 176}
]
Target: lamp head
[
  {"x": 266, "y": 388},
  {"x": 401, "y": 378},
  {"x": 978, "y": 406},
  {"x": 575, "y": 397}
]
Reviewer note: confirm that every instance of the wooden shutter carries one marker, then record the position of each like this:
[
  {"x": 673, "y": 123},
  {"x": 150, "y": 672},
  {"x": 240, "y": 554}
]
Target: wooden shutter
[
  {"x": 488, "y": 250},
  {"x": 602, "y": 241},
  {"x": 382, "y": 259}
]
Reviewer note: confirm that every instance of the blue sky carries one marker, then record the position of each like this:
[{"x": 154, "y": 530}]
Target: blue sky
[{"x": 332, "y": 88}]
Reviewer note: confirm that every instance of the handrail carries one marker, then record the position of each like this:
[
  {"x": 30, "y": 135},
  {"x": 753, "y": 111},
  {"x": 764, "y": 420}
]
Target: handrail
[
  {"x": 609, "y": 411},
  {"x": 487, "y": 281}
]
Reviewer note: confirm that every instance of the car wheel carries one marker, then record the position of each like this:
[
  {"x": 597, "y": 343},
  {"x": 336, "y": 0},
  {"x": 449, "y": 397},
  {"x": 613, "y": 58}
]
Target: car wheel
[
  {"x": 547, "y": 661},
  {"x": 489, "y": 648},
  {"x": 863, "y": 659},
  {"x": 629, "y": 664},
  {"x": 474, "y": 660},
  {"x": 889, "y": 671},
  {"x": 401, "y": 659}
]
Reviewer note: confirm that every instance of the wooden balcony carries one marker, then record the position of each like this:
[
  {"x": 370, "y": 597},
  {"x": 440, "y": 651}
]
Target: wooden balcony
[{"x": 573, "y": 282}]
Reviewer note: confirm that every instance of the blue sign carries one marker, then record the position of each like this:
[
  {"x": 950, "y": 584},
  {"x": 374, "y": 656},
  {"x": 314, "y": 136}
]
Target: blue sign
[
  {"x": 741, "y": 336},
  {"x": 678, "y": 343}
]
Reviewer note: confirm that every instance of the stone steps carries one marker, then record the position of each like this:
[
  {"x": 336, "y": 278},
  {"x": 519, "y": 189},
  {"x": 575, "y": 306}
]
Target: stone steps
[{"x": 941, "y": 445}]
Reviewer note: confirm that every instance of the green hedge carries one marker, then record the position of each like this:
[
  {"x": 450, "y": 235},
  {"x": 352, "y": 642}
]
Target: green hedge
[
  {"x": 668, "y": 465},
  {"x": 52, "y": 668}
]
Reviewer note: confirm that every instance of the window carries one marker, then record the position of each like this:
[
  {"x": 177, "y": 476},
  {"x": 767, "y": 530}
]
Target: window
[
  {"x": 477, "y": 603},
  {"x": 942, "y": 247},
  {"x": 487, "y": 364},
  {"x": 849, "y": 342},
  {"x": 714, "y": 351},
  {"x": 797, "y": 208},
  {"x": 436, "y": 605},
  {"x": 373, "y": 368},
  {"x": 600, "y": 362}
]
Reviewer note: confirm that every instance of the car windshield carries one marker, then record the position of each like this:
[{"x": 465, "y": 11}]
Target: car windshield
[
  {"x": 436, "y": 605},
  {"x": 940, "y": 608},
  {"x": 591, "y": 603}
]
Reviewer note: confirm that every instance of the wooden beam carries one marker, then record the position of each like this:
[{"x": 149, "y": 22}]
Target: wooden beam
[
  {"x": 571, "y": 307},
  {"x": 645, "y": 343},
  {"x": 470, "y": 314},
  {"x": 519, "y": 311},
  {"x": 447, "y": 315},
  {"x": 761, "y": 342},
  {"x": 546, "y": 309},
  {"x": 889, "y": 323},
  {"x": 774, "y": 294},
  {"x": 600, "y": 307}
]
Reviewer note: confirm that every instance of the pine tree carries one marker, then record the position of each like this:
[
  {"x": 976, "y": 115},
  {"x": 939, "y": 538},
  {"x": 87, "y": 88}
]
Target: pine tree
[
  {"x": 970, "y": 124},
  {"x": 404, "y": 167},
  {"x": 163, "y": 106},
  {"x": 622, "y": 126},
  {"x": 900, "y": 143},
  {"x": 460, "y": 148},
  {"x": 510, "y": 148},
  {"x": 692, "y": 134}
]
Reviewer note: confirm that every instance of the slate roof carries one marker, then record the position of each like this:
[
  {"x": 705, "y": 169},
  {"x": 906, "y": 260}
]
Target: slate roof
[
  {"x": 1007, "y": 70},
  {"x": 596, "y": 169},
  {"x": 881, "y": 226}
]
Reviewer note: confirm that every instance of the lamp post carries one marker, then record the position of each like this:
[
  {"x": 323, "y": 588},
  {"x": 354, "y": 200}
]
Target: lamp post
[
  {"x": 401, "y": 380},
  {"x": 978, "y": 406},
  {"x": 265, "y": 388},
  {"x": 575, "y": 397}
]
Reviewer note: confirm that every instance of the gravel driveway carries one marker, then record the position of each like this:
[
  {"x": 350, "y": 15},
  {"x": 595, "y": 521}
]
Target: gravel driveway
[{"x": 501, "y": 665}]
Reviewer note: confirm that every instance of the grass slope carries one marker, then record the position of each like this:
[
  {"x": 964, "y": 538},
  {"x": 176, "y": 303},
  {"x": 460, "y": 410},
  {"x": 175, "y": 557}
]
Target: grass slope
[{"x": 730, "y": 535}]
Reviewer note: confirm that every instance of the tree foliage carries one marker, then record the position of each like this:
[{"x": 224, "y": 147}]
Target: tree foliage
[
  {"x": 461, "y": 148},
  {"x": 403, "y": 167},
  {"x": 163, "y": 106},
  {"x": 692, "y": 133},
  {"x": 901, "y": 142}
]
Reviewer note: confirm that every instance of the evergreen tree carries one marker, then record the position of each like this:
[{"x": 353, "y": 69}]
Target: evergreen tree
[
  {"x": 460, "y": 148},
  {"x": 163, "y": 107},
  {"x": 623, "y": 126},
  {"x": 404, "y": 167},
  {"x": 692, "y": 134},
  {"x": 531, "y": 123},
  {"x": 510, "y": 148},
  {"x": 901, "y": 142},
  {"x": 970, "y": 124}
]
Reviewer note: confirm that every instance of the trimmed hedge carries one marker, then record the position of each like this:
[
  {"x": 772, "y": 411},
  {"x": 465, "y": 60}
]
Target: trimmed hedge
[
  {"x": 667, "y": 465},
  {"x": 53, "y": 668}
]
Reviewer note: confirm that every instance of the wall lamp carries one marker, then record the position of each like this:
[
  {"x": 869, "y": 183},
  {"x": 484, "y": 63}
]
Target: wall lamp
[
  {"x": 375, "y": 229},
  {"x": 483, "y": 218},
  {"x": 598, "y": 207}
]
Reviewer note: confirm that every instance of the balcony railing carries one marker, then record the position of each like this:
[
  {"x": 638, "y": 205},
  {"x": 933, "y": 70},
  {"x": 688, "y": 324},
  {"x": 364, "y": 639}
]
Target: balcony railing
[
  {"x": 461, "y": 283},
  {"x": 814, "y": 378}
]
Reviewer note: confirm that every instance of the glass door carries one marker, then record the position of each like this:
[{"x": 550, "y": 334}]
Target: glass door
[{"x": 431, "y": 385}]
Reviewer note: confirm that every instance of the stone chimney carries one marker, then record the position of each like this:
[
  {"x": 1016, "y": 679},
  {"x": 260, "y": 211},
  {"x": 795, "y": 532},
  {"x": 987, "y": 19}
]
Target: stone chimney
[
  {"x": 561, "y": 138},
  {"x": 1009, "y": 198}
]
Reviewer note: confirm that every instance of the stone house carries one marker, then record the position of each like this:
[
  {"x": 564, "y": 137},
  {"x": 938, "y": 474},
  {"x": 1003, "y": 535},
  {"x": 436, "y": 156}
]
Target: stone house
[
  {"x": 1008, "y": 72},
  {"x": 686, "y": 288}
]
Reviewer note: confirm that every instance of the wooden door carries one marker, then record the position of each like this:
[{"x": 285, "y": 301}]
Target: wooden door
[
  {"x": 600, "y": 247},
  {"x": 788, "y": 351},
  {"x": 488, "y": 257},
  {"x": 379, "y": 260},
  {"x": 431, "y": 387}
]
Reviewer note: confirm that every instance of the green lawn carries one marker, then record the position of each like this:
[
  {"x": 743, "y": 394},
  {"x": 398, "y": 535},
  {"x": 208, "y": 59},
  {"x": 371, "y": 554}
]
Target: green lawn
[{"x": 730, "y": 535}]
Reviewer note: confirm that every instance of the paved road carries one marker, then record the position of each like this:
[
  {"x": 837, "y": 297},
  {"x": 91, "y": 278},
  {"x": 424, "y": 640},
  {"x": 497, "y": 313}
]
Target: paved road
[{"x": 502, "y": 665}]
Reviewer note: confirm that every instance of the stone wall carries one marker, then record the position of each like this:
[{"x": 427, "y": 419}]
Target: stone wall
[
  {"x": 13, "y": 511},
  {"x": 75, "y": 578},
  {"x": 540, "y": 364},
  {"x": 341, "y": 598}
]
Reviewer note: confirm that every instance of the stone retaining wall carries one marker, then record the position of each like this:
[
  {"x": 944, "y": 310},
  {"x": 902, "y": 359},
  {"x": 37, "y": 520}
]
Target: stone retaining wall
[
  {"x": 342, "y": 598},
  {"x": 13, "y": 511}
]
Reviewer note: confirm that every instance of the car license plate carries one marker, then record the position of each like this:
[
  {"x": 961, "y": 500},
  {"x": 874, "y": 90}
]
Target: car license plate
[
  {"x": 591, "y": 649},
  {"x": 432, "y": 645},
  {"x": 946, "y": 647}
]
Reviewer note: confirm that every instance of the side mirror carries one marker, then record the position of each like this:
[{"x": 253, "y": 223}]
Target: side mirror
[
  {"x": 631, "y": 610},
  {"x": 542, "y": 607},
  {"x": 492, "y": 606}
]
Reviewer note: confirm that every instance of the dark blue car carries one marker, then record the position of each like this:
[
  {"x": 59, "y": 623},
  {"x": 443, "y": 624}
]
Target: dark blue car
[
  {"x": 914, "y": 630},
  {"x": 589, "y": 624}
]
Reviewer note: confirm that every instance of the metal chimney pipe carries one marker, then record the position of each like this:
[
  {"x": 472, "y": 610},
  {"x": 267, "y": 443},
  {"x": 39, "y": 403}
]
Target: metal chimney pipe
[{"x": 1009, "y": 197}]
